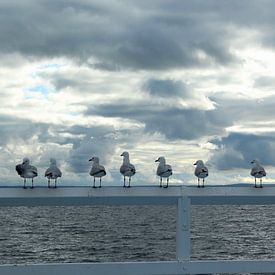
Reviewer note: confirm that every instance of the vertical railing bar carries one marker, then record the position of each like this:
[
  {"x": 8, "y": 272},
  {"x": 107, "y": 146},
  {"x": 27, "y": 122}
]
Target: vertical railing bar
[{"x": 183, "y": 229}]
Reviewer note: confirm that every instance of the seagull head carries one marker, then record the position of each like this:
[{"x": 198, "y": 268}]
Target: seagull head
[
  {"x": 125, "y": 154},
  {"x": 254, "y": 161},
  {"x": 94, "y": 159},
  {"x": 160, "y": 160},
  {"x": 198, "y": 162},
  {"x": 52, "y": 161},
  {"x": 26, "y": 161}
]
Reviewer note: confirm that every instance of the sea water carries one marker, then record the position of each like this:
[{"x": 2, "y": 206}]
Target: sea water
[{"x": 133, "y": 233}]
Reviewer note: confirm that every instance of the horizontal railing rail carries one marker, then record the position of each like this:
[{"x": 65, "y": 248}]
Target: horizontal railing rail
[{"x": 135, "y": 195}]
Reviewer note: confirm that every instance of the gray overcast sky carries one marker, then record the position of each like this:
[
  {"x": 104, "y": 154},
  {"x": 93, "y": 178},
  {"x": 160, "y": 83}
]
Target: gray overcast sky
[{"x": 186, "y": 80}]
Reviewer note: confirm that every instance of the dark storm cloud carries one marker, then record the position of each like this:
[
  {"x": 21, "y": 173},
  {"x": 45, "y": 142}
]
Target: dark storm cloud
[
  {"x": 88, "y": 147},
  {"x": 242, "y": 109},
  {"x": 86, "y": 141},
  {"x": 166, "y": 88},
  {"x": 62, "y": 82},
  {"x": 174, "y": 123},
  {"x": 14, "y": 129},
  {"x": 132, "y": 35},
  {"x": 265, "y": 82},
  {"x": 237, "y": 150},
  {"x": 98, "y": 141},
  {"x": 179, "y": 123}
]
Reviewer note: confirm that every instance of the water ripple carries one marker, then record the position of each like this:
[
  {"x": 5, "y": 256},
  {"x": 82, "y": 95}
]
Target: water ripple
[{"x": 132, "y": 233}]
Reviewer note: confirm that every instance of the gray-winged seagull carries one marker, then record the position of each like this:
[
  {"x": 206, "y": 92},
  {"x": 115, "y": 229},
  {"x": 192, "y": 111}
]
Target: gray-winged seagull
[
  {"x": 201, "y": 172},
  {"x": 127, "y": 169},
  {"x": 97, "y": 170},
  {"x": 164, "y": 171},
  {"x": 25, "y": 170},
  {"x": 52, "y": 173},
  {"x": 257, "y": 171}
]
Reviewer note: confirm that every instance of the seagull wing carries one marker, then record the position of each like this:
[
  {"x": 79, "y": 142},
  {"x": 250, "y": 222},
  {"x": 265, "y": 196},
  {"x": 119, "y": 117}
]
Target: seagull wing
[
  {"x": 127, "y": 168},
  {"x": 48, "y": 172},
  {"x": 257, "y": 171},
  {"x": 99, "y": 171},
  {"x": 58, "y": 172},
  {"x": 132, "y": 168},
  {"x": 33, "y": 170},
  {"x": 204, "y": 170},
  {"x": 19, "y": 169}
]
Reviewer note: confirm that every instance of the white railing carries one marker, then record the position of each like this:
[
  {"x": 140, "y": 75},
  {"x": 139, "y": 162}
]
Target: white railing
[{"x": 182, "y": 196}]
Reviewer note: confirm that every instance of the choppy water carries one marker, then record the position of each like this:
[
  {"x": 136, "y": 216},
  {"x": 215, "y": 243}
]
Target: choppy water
[{"x": 132, "y": 233}]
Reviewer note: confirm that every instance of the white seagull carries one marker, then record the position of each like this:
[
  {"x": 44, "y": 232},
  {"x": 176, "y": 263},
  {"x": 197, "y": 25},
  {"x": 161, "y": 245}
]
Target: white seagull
[
  {"x": 52, "y": 173},
  {"x": 25, "y": 170},
  {"x": 257, "y": 171},
  {"x": 97, "y": 170},
  {"x": 201, "y": 172},
  {"x": 164, "y": 171},
  {"x": 127, "y": 169}
]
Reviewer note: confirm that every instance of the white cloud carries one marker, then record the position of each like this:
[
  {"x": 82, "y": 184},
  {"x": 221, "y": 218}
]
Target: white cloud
[{"x": 74, "y": 70}]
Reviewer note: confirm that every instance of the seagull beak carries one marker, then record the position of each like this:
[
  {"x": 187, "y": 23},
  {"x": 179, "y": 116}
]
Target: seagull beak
[
  {"x": 121, "y": 155},
  {"x": 91, "y": 159},
  {"x": 156, "y": 160},
  {"x": 195, "y": 163}
]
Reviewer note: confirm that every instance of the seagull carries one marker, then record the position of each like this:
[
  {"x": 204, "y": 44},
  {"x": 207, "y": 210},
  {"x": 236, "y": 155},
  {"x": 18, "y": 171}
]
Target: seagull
[
  {"x": 257, "y": 171},
  {"x": 97, "y": 171},
  {"x": 25, "y": 170},
  {"x": 201, "y": 172},
  {"x": 52, "y": 173},
  {"x": 127, "y": 169},
  {"x": 164, "y": 171}
]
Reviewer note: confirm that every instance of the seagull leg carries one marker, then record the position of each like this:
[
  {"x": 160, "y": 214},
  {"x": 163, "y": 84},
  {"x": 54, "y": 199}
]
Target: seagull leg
[
  {"x": 129, "y": 183},
  {"x": 198, "y": 182},
  {"x": 261, "y": 183},
  {"x": 124, "y": 182},
  {"x": 55, "y": 183},
  {"x": 160, "y": 182},
  {"x": 100, "y": 182},
  {"x": 49, "y": 183},
  {"x": 32, "y": 183},
  {"x": 24, "y": 183},
  {"x": 255, "y": 183},
  {"x": 203, "y": 182},
  {"x": 94, "y": 183},
  {"x": 166, "y": 183}
]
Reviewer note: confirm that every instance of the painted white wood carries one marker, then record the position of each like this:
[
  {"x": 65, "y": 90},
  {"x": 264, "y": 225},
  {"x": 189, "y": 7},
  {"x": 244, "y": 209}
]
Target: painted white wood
[
  {"x": 183, "y": 228},
  {"x": 143, "y": 268},
  {"x": 40, "y": 196}
]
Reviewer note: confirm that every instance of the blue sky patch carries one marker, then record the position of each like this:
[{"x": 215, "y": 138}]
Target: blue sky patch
[{"x": 40, "y": 89}]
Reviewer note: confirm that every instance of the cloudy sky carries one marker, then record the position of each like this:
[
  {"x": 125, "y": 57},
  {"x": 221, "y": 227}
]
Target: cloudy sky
[{"x": 186, "y": 80}]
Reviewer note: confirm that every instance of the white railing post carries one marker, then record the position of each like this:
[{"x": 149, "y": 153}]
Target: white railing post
[{"x": 183, "y": 229}]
